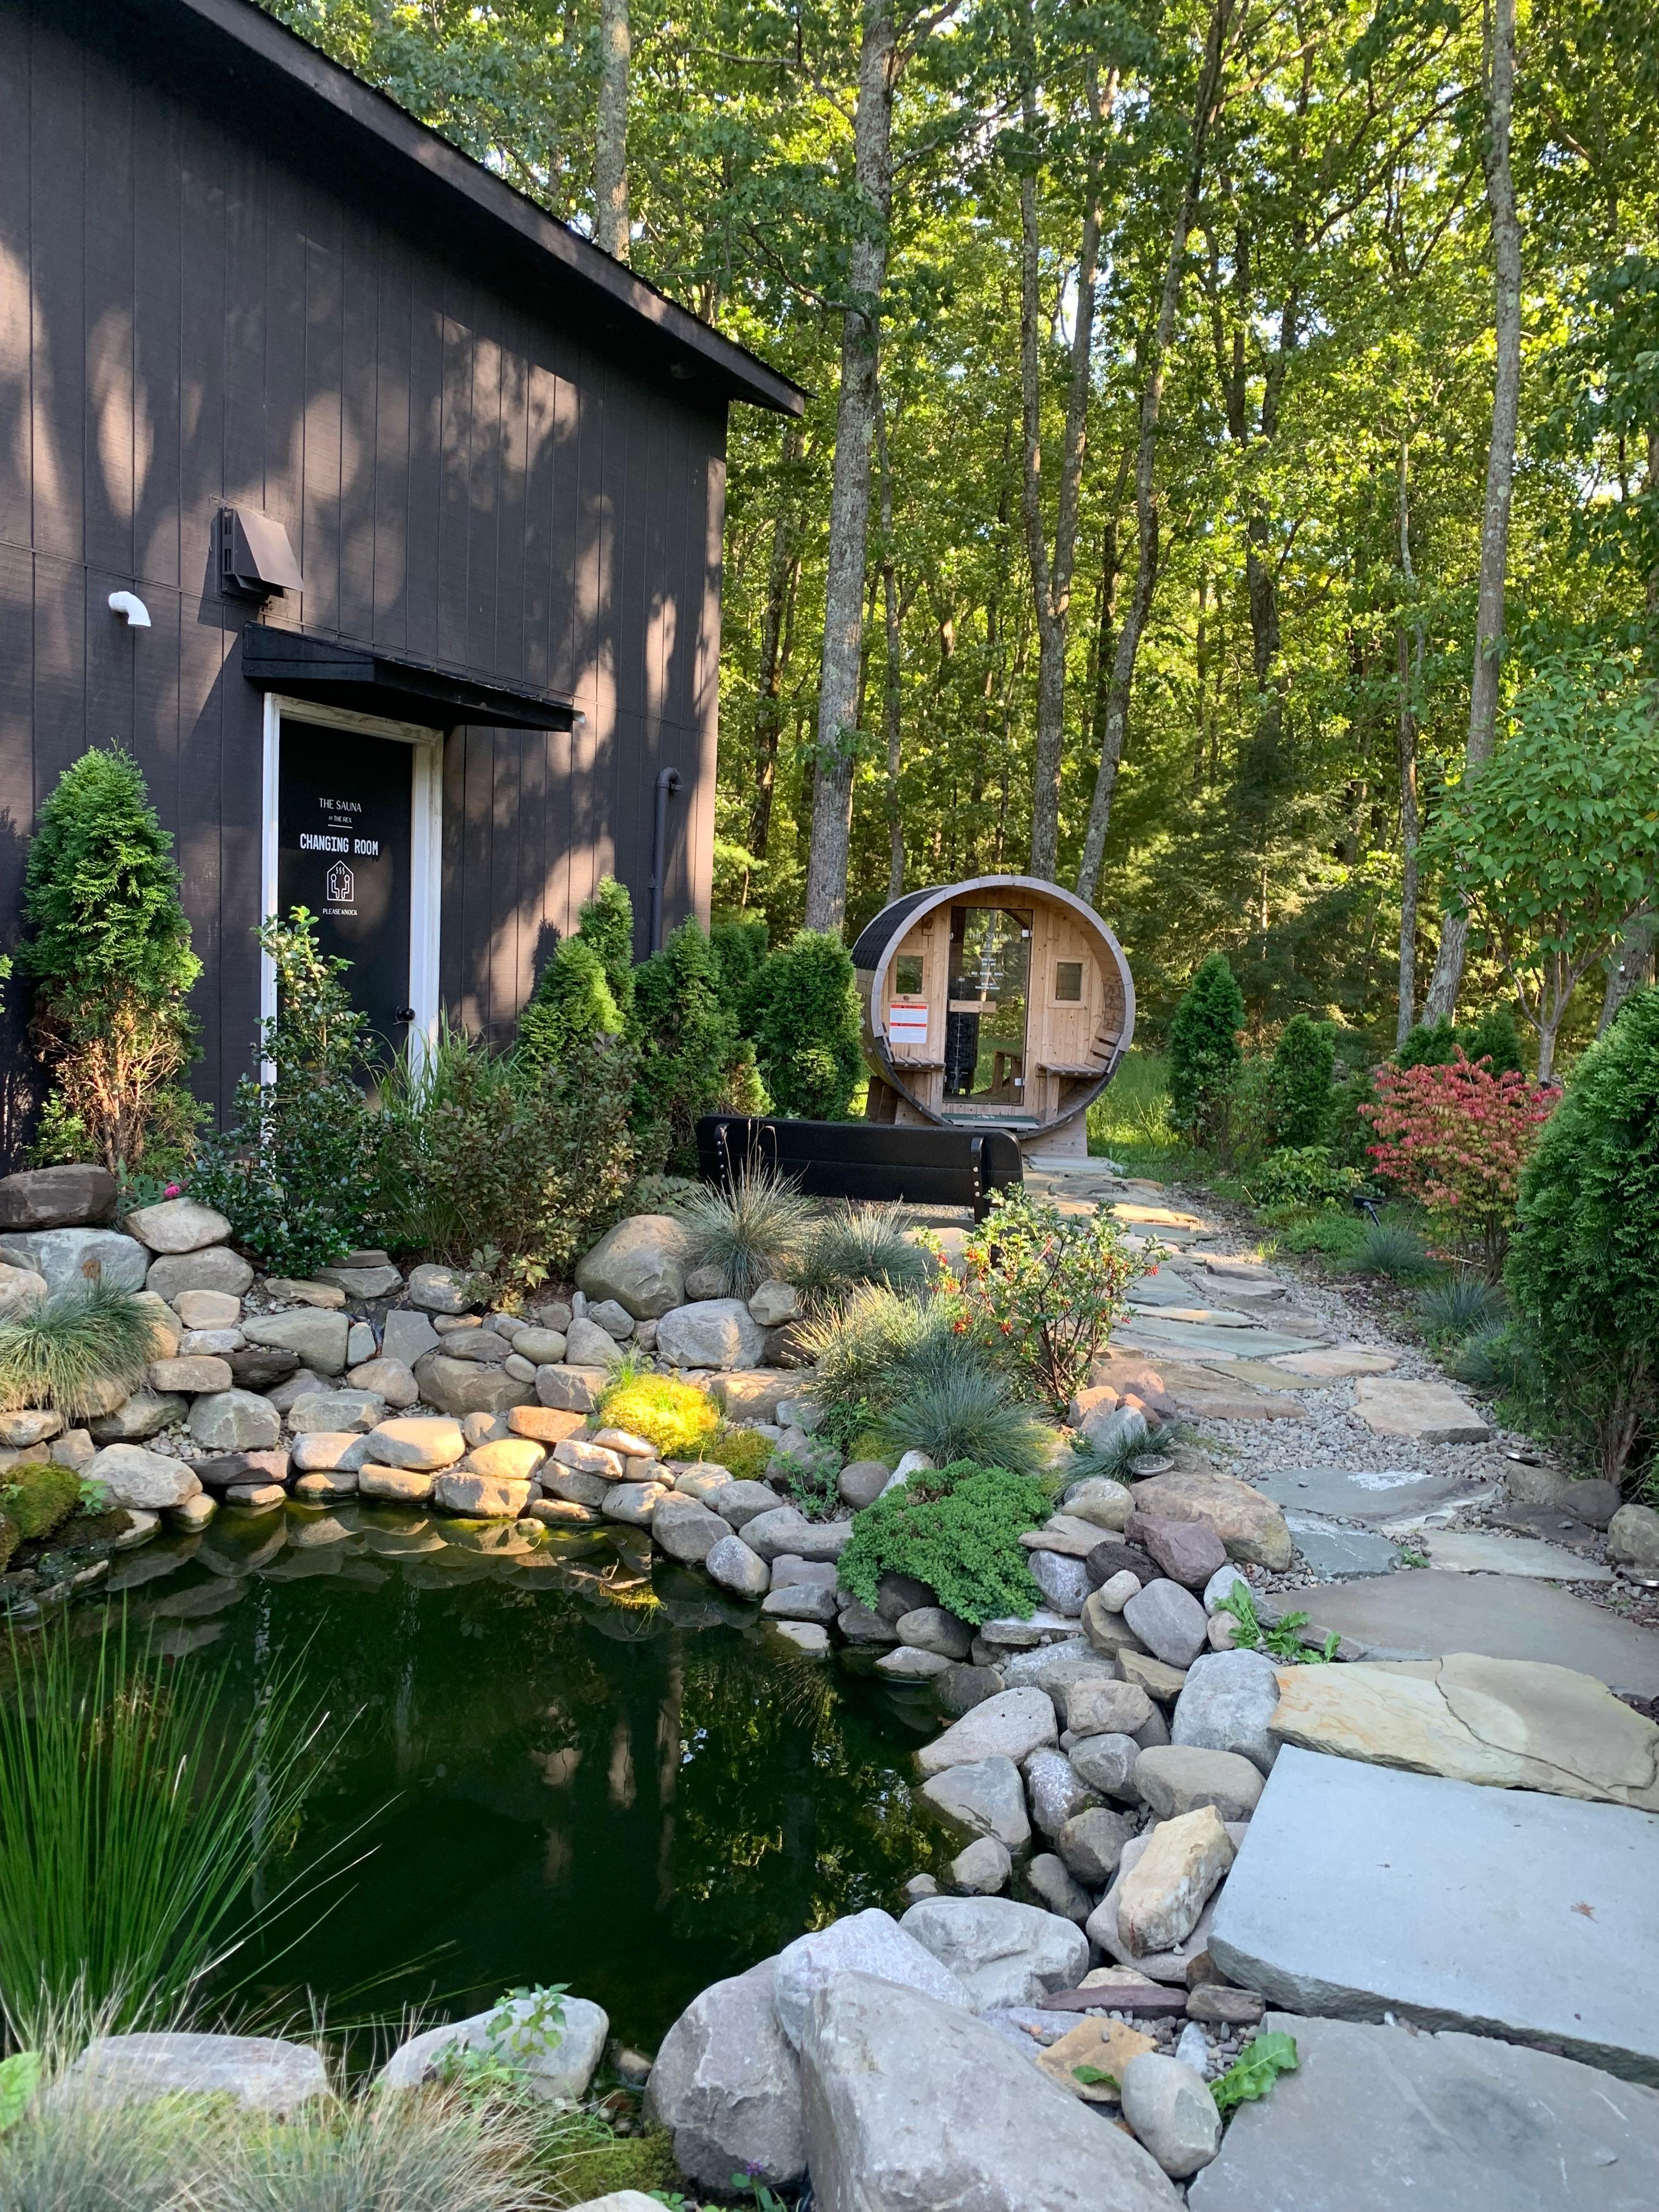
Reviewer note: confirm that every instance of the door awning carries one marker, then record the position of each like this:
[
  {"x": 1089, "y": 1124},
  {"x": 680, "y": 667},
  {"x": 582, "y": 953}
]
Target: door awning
[{"x": 335, "y": 673}]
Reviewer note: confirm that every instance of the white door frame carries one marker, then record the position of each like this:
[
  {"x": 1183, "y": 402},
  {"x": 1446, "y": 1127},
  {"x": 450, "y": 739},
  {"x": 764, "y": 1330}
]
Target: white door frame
[{"x": 425, "y": 850}]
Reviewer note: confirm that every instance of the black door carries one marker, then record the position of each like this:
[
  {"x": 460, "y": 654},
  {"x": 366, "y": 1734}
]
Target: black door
[{"x": 343, "y": 852}]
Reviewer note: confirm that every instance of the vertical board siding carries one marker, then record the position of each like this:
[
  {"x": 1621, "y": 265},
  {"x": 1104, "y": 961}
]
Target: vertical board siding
[{"x": 198, "y": 306}]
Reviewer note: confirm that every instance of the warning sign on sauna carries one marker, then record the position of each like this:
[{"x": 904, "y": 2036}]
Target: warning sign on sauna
[{"x": 907, "y": 1021}]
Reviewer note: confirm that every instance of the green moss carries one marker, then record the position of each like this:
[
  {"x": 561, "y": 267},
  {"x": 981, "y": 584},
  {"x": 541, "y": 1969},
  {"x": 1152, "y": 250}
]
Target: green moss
[
  {"x": 680, "y": 1421},
  {"x": 38, "y": 1500},
  {"x": 958, "y": 1531},
  {"x": 8, "y": 1541},
  {"x": 597, "y": 2163},
  {"x": 744, "y": 1453}
]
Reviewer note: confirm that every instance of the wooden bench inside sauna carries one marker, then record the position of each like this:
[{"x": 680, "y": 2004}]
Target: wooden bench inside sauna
[{"x": 1004, "y": 1001}]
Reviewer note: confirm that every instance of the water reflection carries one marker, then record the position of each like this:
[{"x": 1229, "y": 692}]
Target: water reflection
[{"x": 577, "y": 1767}]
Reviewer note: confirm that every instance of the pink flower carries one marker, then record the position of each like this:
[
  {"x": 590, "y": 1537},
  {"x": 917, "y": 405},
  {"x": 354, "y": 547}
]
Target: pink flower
[{"x": 172, "y": 1191}]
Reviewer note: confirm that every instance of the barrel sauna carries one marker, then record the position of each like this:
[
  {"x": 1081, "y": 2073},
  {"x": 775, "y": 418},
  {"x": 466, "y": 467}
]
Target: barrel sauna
[{"x": 1003, "y": 1000}]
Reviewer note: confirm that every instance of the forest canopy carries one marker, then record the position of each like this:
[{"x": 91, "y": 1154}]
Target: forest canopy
[{"x": 1172, "y": 331}]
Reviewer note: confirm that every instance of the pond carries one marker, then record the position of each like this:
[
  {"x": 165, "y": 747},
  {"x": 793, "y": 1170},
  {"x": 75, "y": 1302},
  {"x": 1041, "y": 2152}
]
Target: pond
[{"x": 564, "y": 1761}]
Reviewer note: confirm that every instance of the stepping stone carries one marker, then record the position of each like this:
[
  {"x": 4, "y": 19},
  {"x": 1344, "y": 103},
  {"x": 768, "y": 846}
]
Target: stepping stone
[
  {"x": 1474, "y": 1552},
  {"x": 1547, "y": 1521},
  {"x": 1509, "y": 1723},
  {"x": 1257, "y": 1373},
  {"x": 1149, "y": 1332},
  {"x": 1334, "y": 1361},
  {"x": 1430, "y": 1412},
  {"x": 1374, "y": 2118},
  {"x": 1425, "y": 1615},
  {"x": 1375, "y": 1496},
  {"x": 1330, "y": 1550},
  {"x": 1146, "y": 1215},
  {"x": 1359, "y": 1891}
]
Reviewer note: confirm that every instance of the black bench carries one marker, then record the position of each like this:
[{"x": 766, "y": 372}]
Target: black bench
[{"x": 864, "y": 1159}]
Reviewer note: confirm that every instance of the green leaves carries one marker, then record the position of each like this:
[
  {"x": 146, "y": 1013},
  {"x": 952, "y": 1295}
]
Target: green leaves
[
  {"x": 958, "y": 1531},
  {"x": 1254, "y": 2070},
  {"x": 1095, "y": 2077},
  {"x": 19, "y": 2077}
]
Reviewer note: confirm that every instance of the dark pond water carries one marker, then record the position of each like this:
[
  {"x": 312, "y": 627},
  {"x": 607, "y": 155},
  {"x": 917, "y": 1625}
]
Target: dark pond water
[{"x": 567, "y": 1765}]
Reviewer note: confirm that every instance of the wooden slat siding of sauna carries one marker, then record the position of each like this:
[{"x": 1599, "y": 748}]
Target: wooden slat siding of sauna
[
  {"x": 322, "y": 423},
  {"x": 247, "y": 256},
  {"x": 286, "y": 278},
  {"x": 16, "y": 303},
  {"x": 360, "y": 312},
  {"x": 393, "y": 496},
  {"x": 421, "y": 557},
  {"x": 57, "y": 267},
  {"x": 110, "y": 457},
  {"x": 512, "y": 514},
  {"x": 541, "y": 458},
  {"x": 454, "y": 519},
  {"x": 484, "y": 490},
  {"x": 16, "y": 812}
]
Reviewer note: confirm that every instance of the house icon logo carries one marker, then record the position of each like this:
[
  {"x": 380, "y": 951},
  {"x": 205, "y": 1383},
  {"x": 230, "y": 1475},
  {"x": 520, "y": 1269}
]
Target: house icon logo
[{"x": 339, "y": 885}]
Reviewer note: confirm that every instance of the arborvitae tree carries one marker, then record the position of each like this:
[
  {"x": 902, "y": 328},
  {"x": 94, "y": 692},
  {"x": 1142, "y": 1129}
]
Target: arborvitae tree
[
  {"x": 1304, "y": 1063},
  {"x": 1496, "y": 1038},
  {"x": 573, "y": 1006},
  {"x": 1204, "y": 1049},
  {"x": 740, "y": 946},
  {"x": 109, "y": 953},
  {"x": 803, "y": 1018},
  {"x": 688, "y": 1041},
  {"x": 606, "y": 923}
]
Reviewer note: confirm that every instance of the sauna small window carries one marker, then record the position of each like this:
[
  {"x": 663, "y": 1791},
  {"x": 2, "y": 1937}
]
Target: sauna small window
[
  {"x": 907, "y": 975},
  {"x": 1068, "y": 982}
]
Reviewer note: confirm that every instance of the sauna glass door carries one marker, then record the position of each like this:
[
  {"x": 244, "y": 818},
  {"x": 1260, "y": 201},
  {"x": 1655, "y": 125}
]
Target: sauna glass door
[{"x": 986, "y": 1005}]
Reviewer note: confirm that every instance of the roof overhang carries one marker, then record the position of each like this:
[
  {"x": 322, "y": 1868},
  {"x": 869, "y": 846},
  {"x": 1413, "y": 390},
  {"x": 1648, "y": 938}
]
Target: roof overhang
[
  {"x": 332, "y": 673},
  {"x": 267, "y": 62}
]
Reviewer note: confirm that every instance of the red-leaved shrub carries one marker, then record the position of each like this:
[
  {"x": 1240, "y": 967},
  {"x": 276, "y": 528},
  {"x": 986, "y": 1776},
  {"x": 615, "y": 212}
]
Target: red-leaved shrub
[{"x": 1456, "y": 1137}]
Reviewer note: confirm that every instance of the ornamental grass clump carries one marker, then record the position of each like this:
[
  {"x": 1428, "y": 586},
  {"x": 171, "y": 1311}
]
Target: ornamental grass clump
[
  {"x": 753, "y": 1230},
  {"x": 135, "y": 1814},
  {"x": 1455, "y": 1137},
  {"x": 880, "y": 1347},
  {"x": 967, "y": 1413},
  {"x": 958, "y": 1531},
  {"x": 854, "y": 1245},
  {"x": 1043, "y": 1293},
  {"x": 76, "y": 1348}
]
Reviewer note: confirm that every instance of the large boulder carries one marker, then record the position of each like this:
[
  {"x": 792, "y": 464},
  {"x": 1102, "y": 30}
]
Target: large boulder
[
  {"x": 1225, "y": 1704},
  {"x": 712, "y": 1333},
  {"x": 1003, "y": 1953},
  {"x": 726, "y": 2085},
  {"x": 261, "y": 2072},
  {"x": 785, "y": 1529},
  {"x": 1633, "y": 1537},
  {"x": 986, "y": 1797},
  {"x": 688, "y": 1531},
  {"x": 140, "y": 1480},
  {"x": 320, "y": 1339},
  {"x": 138, "y": 1418},
  {"x": 72, "y": 1197},
  {"x": 1009, "y": 1726},
  {"x": 71, "y": 1258},
  {"x": 177, "y": 1225},
  {"x": 235, "y": 1420},
  {"x": 216, "y": 1267},
  {"x": 1170, "y": 2106},
  {"x": 21, "y": 1291},
  {"x": 1168, "y": 1620},
  {"x": 641, "y": 1263},
  {"x": 1252, "y": 1528},
  {"x": 1173, "y": 1778},
  {"x": 871, "y": 1943},
  {"x": 909, "y": 2106},
  {"x": 460, "y": 1387},
  {"x": 550, "y": 2068}
]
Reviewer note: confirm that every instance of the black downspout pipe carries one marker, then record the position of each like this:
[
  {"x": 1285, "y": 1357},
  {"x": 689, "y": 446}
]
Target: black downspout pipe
[{"x": 668, "y": 782}]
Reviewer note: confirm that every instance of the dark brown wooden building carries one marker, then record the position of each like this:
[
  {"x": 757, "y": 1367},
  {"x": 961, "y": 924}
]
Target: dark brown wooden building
[{"x": 420, "y": 494}]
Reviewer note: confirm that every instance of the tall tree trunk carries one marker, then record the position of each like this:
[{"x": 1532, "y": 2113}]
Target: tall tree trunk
[
  {"x": 891, "y": 668},
  {"x": 1408, "y": 666},
  {"x": 610, "y": 136},
  {"x": 849, "y": 496},
  {"x": 1442, "y": 1002},
  {"x": 1051, "y": 573},
  {"x": 782, "y": 575},
  {"x": 1206, "y": 107}
]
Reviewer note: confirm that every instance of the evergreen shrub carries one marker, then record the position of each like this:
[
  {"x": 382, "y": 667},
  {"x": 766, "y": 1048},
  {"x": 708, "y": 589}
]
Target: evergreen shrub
[
  {"x": 1304, "y": 1065},
  {"x": 301, "y": 1172},
  {"x": 958, "y": 1531},
  {"x": 1204, "y": 1047},
  {"x": 803, "y": 1012},
  {"x": 573, "y": 1006},
  {"x": 740, "y": 946},
  {"x": 691, "y": 1052},
  {"x": 1583, "y": 1264},
  {"x": 606, "y": 923},
  {"x": 108, "y": 951}
]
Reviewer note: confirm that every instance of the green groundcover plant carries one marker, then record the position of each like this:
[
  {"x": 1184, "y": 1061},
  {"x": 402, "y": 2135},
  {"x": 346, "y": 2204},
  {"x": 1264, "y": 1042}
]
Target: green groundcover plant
[{"x": 958, "y": 1531}]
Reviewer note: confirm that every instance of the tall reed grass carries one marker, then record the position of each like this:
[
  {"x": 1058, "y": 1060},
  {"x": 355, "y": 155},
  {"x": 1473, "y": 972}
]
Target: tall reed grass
[{"x": 135, "y": 1814}]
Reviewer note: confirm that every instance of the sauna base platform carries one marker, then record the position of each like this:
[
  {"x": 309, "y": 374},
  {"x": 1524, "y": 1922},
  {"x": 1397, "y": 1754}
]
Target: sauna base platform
[{"x": 1069, "y": 1140}]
